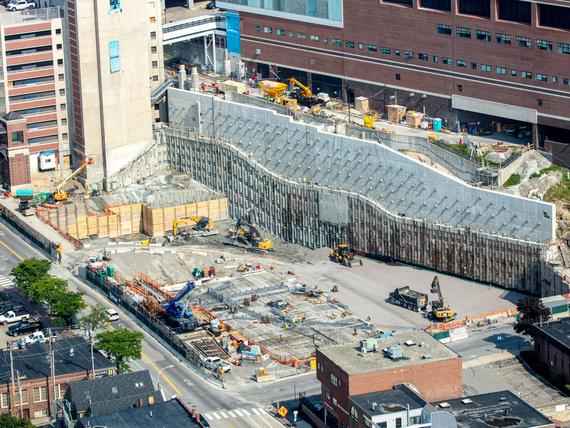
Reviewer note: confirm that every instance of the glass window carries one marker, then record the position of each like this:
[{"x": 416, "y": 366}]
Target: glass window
[
  {"x": 475, "y": 7},
  {"x": 408, "y": 54},
  {"x": 461, "y": 63},
  {"x": 473, "y": 66},
  {"x": 541, "y": 77},
  {"x": 114, "y": 6},
  {"x": 484, "y": 36},
  {"x": 444, "y": 29},
  {"x": 24, "y": 398},
  {"x": 486, "y": 68},
  {"x": 545, "y": 45},
  {"x": 361, "y": 46},
  {"x": 408, "y": 3},
  {"x": 40, "y": 394},
  {"x": 257, "y": 28},
  {"x": 386, "y": 51},
  {"x": 267, "y": 30},
  {"x": 435, "y": 58},
  {"x": 555, "y": 80},
  {"x": 337, "y": 42},
  {"x": 524, "y": 42},
  {"x": 153, "y": 49},
  {"x": 301, "y": 36},
  {"x": 423, "y": 57},
  {"x": 280, "y": 32},
  {"x": 4, "y": 400},
  {"x": 526, "y": 74},
  {"x": 564, "y": 48},
  {"x": 444, "y": 5},
  {"x": 513, "y": 72},
  {"x": 372, "y": 48},
  {"x": 504, "y": 39},
  {"x": 501, "y": 70},
  {"x": 314, "y": 38},
  {"x": 153, "y": 35},
  {"x": 114, "y": 57},
  {"x": 334, "y": 380},
  {"x": 325, "y": 40},
  {"x": 349, "y": 44},
  {"x": 398, "y": 422},
  {"x": 516, "y": 11},
  {"x": 397, "y": 52},
  {"x": 17, "y": 137},
  {"x": 464, "y": 32},
  {"x": 566, "y": 81},
  {"x": 447, "y": 61},
  {"x": 353, "y": 413}
]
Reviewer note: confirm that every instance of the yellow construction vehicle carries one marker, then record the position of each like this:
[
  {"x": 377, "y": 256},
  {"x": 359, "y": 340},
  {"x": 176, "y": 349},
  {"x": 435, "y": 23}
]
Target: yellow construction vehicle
[
  {"x": 198, "y": 226},
  {"x": 439, "y": 310},
  {"x": 245, "y": 235},
  {"x": 303, "y": 94},
  {"x": 272, "y": 88},
  {"x": 369, "y": 120},
  {"x": 60, "y": 195},
  {"x": 344, "y": 254}
]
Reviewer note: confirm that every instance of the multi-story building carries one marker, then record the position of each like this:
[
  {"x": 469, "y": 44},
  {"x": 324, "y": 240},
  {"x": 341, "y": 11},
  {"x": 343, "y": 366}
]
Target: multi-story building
[
  {"x": 115, "y": 62},
  {"x": 414, "y": 358},
  {"x": 461, "y": 59},
  {"x": 33, "y": 88},
  {"x": 552, "y": 347}
]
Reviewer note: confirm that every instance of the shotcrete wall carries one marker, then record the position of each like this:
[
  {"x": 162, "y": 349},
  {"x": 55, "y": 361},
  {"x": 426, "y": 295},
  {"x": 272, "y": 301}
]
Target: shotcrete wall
[{"x": 303, "y": 153}]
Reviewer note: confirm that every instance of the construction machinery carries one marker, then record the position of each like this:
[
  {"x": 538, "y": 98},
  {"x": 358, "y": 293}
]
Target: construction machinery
[
  {"x": 439, "y": 310},
  {"x": 272, "y": 88},
  {"x": 303, "y": 94},
  {"x": 344, "y": 255},
  {"x": 369, "y": 120},
  {"x": 60, "y": 195},
  {"x": 179, "y": 311},
  {"x": 408, "y": 298},
  {"x": 246, "y": 235},
  {"x": 25, "y": 207},
  {"x": 197, "y": 226},
  {"x": 299, "y": 93}
]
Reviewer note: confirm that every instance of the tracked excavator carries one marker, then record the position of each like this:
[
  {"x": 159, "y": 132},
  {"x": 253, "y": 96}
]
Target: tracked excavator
[
  {"x": 247, "y": 236},
  {"x": 439, "y": 310}
]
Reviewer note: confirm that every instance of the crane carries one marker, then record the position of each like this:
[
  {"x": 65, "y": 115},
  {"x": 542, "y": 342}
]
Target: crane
[
  {"x": 175, "y": 308},
  {"x": 60, "y": 194}
]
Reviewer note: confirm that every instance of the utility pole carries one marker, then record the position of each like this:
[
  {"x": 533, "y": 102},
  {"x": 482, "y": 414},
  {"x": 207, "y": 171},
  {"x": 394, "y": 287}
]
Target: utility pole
[
  {"x": 52, "y": 371},
  {"x": 92, "y": 355},
  {"x": 20, "y": 395},
  {"x": 13, "y": 387}
]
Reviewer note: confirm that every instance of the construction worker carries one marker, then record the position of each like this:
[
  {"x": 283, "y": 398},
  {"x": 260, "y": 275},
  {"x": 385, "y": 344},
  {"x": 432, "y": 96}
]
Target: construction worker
[{"x": 59, "y": 251}]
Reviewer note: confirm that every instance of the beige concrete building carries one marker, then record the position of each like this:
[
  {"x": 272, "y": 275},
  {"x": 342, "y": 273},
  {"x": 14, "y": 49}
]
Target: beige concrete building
[{"x": 115, "y": 61}]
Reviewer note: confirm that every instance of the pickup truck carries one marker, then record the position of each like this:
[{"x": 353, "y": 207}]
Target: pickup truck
[
  {"x": 11, "y": 317},
  {"x": 216, "y": 364},
  {"x": 24, "y": 327}
]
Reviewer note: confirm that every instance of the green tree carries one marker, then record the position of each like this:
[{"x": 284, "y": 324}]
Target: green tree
[
  {"x": 531, "y": 311},
  {"x": 68, "y": 304},
  {"x": 121, "y": 346},
  {"x": 28, "y": 272},
  {"x": 95, "y": 319},
  {"x": 48, "y": 290},
  {"x": 7, "y": 421}
]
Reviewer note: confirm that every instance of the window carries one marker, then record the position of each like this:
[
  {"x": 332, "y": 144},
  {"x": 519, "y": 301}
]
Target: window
[
  {"x": 486, "y": 68},
  {"x": 382, "y": 424},
  {"x": 291, "y": 34},
  {"x": 349, "y": 44},
  {"x": 40, "y": 394},
  {"x": 60, "y": 61},
  {"x": 423, "y": 57},
  {"x": 526, "y": 74},
  {"x": 40, "y": 413},
  {"x": 447, "y": 61},
  {"x": 566, "y": 81},
  {"x": 152, "y": 19},
  {"x": 4, "y": 400},
  {"x": 435, "y": 58},
  {"x": 62, "y": 107},
  {"x": 267, "y": 30},
  {"x": 257, "y": 28},
  {"x": 444, "y": 5},
  {"x": 555, "y": 80},
  {"x": 314, "y": 38},
  {"x": 463, "y": 32},
  {"x": 473, "y": 66},
  {"x": 475, "y": 7},
  {"x": 59, "y": 391},
  {"x": 114, "y": 58},
  {"x": 524, "y": 42},
  {"x": 62, "y": 92},
  {"x": 504, "y": 39},
  {"x": 361, "y": 46},
  {"x": 334, "y": 380},
  {"x": 42, "y": 125},
  {"x": 415, "y": 420},
  {"x": 461, "y": 63},
  {"x": 114, "y": 6},
  {"x": 545, "y": 45},
  {"x": 484, "y": 36},
  {"x": 515, "y": 11},
  {"x": 501, "y": 70},
  {"x": 153, "y": 35},
  {"x": 444, "y": 29},
  {"x": 58, "y": 31},
  {"x": 373, "y": 48},
  {"x": 280, "y": 32},
  {"x": 325, "y": 40},
  {"x": 155, "y": 64},
  {"x": 398, "y": 77},
  {"x": 386, "y": 51},
  {"x": 353, "y": 413},
  {"x": 397, "y": 52},
  {"x": 23, "y": 399},
  {"x": 301, "y": 36},
  {"x": 64, "y": 121},
  {"x": 64, "y": 136},
  {"x": 513, "y": 72},
  {"x": 336, "y": 42},
  {"x": 541, "y": 77},
  {"x": 17, "y": 137},
  {"x": 153, "y": 50},
  {"x": 155, "y": 78},
  {"x": 564, "y": 48},
  {"x": 398, "y": 422},
  {"x": 58, "y": 46},
  {"x": 408, "y": 3},
  {"x": 408, "y": 54},
  {"x": 61, "y": 77},
  {"x": 553, "y": 16}
]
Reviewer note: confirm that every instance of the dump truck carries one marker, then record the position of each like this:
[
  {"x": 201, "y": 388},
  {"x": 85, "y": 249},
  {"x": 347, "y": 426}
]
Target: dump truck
[{"x": 408, "y": 298}]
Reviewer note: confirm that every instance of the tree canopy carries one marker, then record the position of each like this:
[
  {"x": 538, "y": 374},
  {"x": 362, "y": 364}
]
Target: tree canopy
[
  {"x": 94, "y": 319},
  {"x": 121, "y": 346},
  {"x": 28, "y": 272},
  {"x": 531, "y": 311},
  {"x": 7, "y": 421}
]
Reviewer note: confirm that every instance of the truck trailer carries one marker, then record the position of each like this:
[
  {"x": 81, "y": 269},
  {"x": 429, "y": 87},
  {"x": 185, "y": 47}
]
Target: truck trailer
[{"x": 408, "y": 298}]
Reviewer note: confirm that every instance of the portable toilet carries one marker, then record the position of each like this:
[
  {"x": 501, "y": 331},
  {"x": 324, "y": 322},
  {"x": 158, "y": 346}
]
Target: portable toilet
[{"x": 436, "y": 125}]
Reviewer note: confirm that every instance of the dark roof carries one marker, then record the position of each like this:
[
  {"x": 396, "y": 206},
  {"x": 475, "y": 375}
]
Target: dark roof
[
  {"x": 389, "y": 401},
  {"x": 497, "y": 409},
  {"x": 556, "y": 330},
  {"x": 162, "y": 415},
  {"x": 112, "y": 394},
  {"x": 72, "y": 355},
  {"x": 12, "y": 116}
]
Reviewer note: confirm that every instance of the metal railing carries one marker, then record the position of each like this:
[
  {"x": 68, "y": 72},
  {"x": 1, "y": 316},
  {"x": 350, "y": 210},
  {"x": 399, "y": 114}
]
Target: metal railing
[
  {"x": 193, "y": 22},
  {"x": 29, "y": 15}
]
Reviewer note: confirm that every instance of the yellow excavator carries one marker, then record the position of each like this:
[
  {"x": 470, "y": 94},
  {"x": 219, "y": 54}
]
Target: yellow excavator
[
  {"x": 246, "y": 235},
  {"x": 303, "y": 94},
  {"x": 439, "y": 310},
  {"x": 344, "y": 255},
  {"x": 299, "y": 93},
  {"x": 60, "y": 195},
  {"x": 198, "y": 226}
]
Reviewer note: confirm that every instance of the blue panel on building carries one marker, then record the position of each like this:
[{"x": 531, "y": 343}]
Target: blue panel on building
[{"x": 233, "y": 32}]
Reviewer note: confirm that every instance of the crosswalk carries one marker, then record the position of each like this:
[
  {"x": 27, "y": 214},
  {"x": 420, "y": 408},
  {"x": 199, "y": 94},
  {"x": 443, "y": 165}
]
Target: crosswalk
[
  {"x": 6, "y": 282},
  {"x": 234, "y": 413}
]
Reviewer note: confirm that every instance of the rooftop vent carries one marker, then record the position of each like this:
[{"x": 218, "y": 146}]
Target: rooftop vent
[
  {"x": 426, "y": 356},
  {"x": 409, "y": 342},
  {"x": 467, "y": 401},
  {"x": 373, "y": 405},
  {"x": 444, "y": 405},
  {"x": 394, "y": 352},
  {"x": 114, "y": 390}
]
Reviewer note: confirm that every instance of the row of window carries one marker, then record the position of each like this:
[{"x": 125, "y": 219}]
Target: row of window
[
  {"x": 501, "y": 38},
  {"x": 40, "y": 394}
]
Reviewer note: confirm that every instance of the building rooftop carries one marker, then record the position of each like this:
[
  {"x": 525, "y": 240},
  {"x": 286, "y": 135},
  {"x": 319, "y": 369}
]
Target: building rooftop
[
  {"x": 29, "y": 15},
  {"x": 112, "y": 394},
  {"x": 559, "y": 331},
  {"x": 501, "y": 409},
  {"x": 417, "y": 346},
  {"x": 72, "y": 355},
  {"x": 390, "y": 401},
  {"x": 162, "y": 415}
]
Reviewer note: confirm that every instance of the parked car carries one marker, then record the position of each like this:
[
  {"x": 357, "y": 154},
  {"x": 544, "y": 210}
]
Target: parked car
[
  {"x": 9, "y": 306},
  {"x": 73, "y": 323},
  {"x": 112, "y": 315},
  {"x": 35, "y": 337},
  {"x": 216, "y": 364},
  {"x": 11, "y": 317},
  {"x": 19, "y": 5},
  {"x": 23, "y": 327}
]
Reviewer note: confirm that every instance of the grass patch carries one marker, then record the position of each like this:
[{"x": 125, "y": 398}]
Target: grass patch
[
  {"x": 513, "y": 180},
  {"x": 460, "y": 148},
  {"x": 560, "y": 192},
  {"x": 545, "y": 171}
]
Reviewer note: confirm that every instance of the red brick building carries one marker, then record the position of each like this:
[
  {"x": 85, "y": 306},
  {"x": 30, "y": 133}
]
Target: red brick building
[
  {"x": 552, "y": 346},
  {"x": 417, "y": 359},
  {"x": 460, "y": 59}
]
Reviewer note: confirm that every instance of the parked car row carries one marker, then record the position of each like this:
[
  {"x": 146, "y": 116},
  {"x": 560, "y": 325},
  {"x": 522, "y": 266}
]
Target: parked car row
[{"x": 14, "y": 5}]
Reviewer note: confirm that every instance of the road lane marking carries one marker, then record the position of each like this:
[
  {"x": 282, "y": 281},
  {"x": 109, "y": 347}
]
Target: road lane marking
[
  {"x": 231, "y": 413},
  {"x": 5, "y": 282},
  {"x": 11, "y": 250},
  {"x": 255, "y": 411},
  {"x": 223, "y": 415},
  {"x": 238, "y": 412}
]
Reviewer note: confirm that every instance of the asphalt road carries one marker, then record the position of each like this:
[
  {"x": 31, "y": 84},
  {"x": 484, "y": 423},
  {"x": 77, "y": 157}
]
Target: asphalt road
[{"x": 243, "y": 406}]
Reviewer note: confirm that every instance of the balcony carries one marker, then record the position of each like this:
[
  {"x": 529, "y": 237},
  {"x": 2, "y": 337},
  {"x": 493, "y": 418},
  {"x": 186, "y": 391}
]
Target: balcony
[
  {"x": 30, "y": 89},
  {"x": 26, "y": 104},
  {"x": 43, "y": 132},
  {"x": 27, "y": 43},
  {"x": 31, "y": 73},
  {"x": 29, "y": 58}
]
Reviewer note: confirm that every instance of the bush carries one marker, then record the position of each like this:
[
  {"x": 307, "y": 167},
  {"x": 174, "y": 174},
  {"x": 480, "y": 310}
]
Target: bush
[{"x": 513, "y": 180}]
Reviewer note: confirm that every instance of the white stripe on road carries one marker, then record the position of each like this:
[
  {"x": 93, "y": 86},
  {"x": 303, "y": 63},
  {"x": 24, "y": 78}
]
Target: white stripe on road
[
  {"x": 238, "y": 412},
  {"x": 246, "y": 412},
  {"x": 231, "y": 413},
  {"x": 255, "y": 411},
  {"x": 5, "y": 281},
  {"x": 223, "y": 415}
]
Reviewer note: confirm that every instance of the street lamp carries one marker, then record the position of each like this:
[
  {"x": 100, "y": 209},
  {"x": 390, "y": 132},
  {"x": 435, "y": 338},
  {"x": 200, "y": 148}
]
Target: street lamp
[{"x": 160, "y": 374}]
